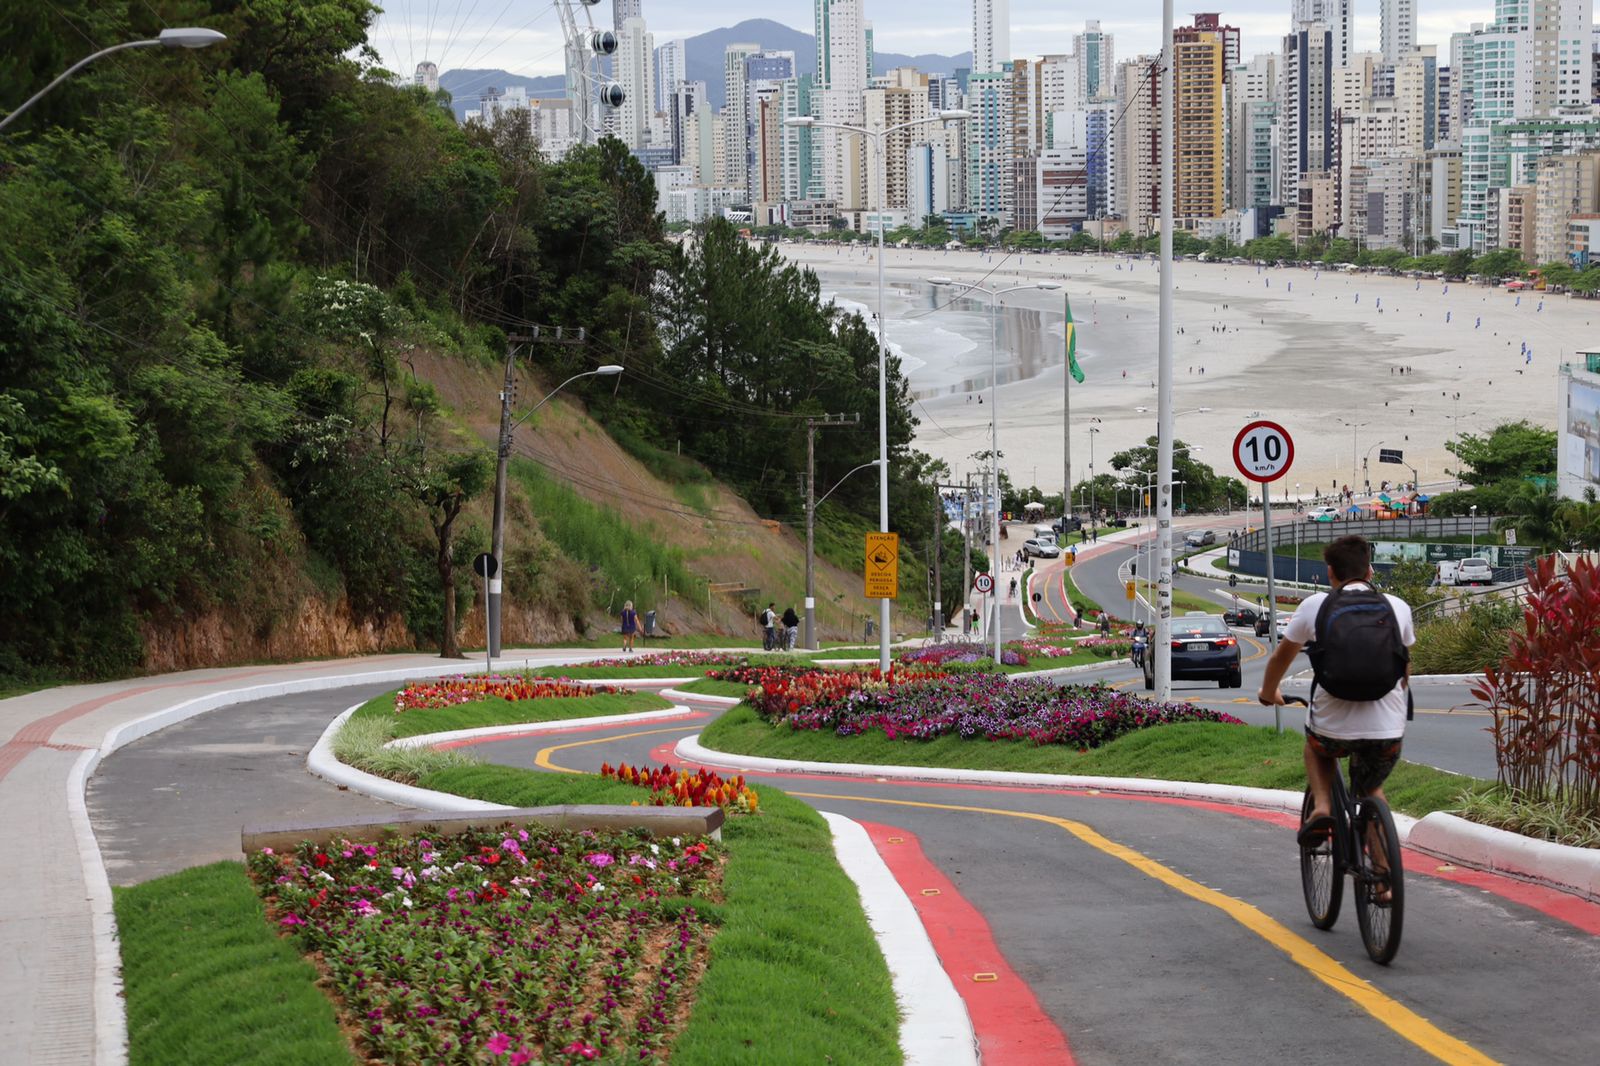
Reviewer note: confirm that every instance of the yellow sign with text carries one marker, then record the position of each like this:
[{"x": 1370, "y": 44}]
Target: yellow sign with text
[
  {"x": 1131, "y": 593},
  {"x": 882, "y": 566}
]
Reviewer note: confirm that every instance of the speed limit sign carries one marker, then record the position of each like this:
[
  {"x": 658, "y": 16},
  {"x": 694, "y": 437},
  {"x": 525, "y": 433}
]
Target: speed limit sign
[
  {"x": 983, "y": 583},
  {"x": 1263, "y": 451}
]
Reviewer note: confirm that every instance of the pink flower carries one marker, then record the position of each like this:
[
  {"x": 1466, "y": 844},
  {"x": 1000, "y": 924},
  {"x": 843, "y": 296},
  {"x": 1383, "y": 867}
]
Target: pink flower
[
  {"x": 599, "y": 858},
  {"x": 498, "y": 1044},
  {"x": 521, "y": 1057},
  {"x": 292, "y": 919}
]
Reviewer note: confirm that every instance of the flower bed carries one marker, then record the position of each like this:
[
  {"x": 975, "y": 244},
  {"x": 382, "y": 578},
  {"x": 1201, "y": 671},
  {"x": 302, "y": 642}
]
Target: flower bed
[
  {"x": 960, "y": 652},
  {"x": 1040, "y": 648},
  {"x": 509, "y": 945},
  {"x": 681, "y": 788},
  {"x": 1107, "y": 647},
  {"x": 451, "y": 691},
  {"x": 759, "y": 675},
  {"x": 669, "y": 658},
  {"x": 972, "y": 706}
]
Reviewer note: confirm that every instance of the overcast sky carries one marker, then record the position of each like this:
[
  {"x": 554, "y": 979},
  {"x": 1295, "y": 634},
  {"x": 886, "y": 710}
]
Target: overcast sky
[{"x": 524, "y": 36}]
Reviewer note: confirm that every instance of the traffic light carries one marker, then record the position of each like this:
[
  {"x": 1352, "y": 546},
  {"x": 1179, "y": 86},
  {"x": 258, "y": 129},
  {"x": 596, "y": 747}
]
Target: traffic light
[
  {"x": 1133, "y": 568},
  {"x": 1233, "y": 581}
]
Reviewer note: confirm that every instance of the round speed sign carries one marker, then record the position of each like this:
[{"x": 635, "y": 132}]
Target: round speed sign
[
  {"x": 1263, "y": 451},
  {"x": 983, "y": 583}
]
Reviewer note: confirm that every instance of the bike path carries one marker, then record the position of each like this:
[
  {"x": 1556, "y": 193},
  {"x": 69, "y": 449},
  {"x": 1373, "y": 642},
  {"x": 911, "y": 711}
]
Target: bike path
[{"x": 1131, "y": 969}]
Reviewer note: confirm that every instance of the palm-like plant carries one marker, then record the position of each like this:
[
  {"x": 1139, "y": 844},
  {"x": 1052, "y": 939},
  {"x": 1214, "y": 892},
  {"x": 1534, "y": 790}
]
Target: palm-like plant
[
  {"x": 1536, "y": 518},
  {"x": 1579, "y": 521}
]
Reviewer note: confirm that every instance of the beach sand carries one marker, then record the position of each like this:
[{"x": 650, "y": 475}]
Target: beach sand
[{"x": 1312, "y": 349}]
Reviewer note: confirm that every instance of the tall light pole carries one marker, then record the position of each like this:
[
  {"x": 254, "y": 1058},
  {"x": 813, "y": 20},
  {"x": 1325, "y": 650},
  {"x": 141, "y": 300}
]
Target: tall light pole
[
  {"x": 1094, "y": 431},
  {"x": 1355, "y": 429},
  {"x": 1366, "y": 477},
  {"x": 811, "y": 571},
  {"x": 502, "y": 457},
  {"x": 877, "y": 137},
  {"x": 994, "y": 422},
  {"x": 1163, "y": 648},
  {"x": 184, "y": 37}
]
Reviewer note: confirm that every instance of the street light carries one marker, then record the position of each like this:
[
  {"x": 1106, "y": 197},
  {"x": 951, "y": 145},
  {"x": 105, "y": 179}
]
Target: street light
[
  {"x": 1472, "y": 532},
  {"x": 1355, "y": 428},
  {"x": 994, "y": 417},
  {"x": 185, "y": 37},
  {"x": 877, "y": 136},
  {"x": 1094, "y": 431},
  {"x": 1366, "y": 477},
  {"x": 502, "y": 456},
  {"x": 811, "y": 571}
]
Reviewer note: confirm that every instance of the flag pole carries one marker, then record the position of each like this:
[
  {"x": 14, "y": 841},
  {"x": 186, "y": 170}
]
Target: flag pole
[{"x": 1066, "y": 423}]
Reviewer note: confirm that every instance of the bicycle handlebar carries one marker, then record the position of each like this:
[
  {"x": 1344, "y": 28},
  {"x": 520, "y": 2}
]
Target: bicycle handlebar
[{"x": 1288, "y": 700}]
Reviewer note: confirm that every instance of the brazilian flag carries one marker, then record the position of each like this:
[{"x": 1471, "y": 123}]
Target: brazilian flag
[{"x": 1072, "y": 347}]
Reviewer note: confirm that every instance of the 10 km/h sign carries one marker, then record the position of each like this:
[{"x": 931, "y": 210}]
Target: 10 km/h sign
[
  {"x": 983, "y": 584},
  {"x": 882, "y": 566},
  {"x": 1263, "y": 451}
]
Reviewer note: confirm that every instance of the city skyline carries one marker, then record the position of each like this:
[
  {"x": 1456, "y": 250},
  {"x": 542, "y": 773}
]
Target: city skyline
[{"x": 405, "y": 34}]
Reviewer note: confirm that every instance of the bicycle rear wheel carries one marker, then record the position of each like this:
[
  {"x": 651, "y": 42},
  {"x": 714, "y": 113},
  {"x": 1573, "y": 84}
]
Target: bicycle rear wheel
[
  {"x": 1379, "y": 849},
  {"x": 1320, "y": 876}
]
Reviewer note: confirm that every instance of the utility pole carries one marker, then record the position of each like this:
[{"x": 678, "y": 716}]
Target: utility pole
[
  {"x": 1066, "y": 427},
  {"x": 966, "y": 556},
  {"x": 938, "y": 542},
  {"x": 514, "y": 342},
  {"x": 812, "y": 425}
]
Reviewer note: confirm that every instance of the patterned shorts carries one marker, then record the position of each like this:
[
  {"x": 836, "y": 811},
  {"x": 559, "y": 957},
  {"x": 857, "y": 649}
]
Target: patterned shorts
[{"x": 1371, "y": 761}]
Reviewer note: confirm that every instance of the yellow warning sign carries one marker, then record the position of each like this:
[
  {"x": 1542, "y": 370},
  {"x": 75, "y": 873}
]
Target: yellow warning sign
[
  {"x": 1130, "y": 590},
  {"x": 882, "y": 567}
]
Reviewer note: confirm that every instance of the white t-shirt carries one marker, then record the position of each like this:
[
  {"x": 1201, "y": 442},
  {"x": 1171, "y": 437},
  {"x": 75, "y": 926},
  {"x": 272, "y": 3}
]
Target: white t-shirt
[{"x": 1352, "y": 719}]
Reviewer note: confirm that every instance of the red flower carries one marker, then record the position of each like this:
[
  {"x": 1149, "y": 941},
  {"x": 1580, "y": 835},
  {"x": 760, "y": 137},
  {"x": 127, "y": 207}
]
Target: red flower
[{"x": 319, "y": 860}]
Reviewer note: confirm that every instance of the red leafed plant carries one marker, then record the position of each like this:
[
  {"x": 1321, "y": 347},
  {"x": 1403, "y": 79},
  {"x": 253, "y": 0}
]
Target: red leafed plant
[
  {"x": 1545, "y": 695},
  {"x": 682, "y": 788}
]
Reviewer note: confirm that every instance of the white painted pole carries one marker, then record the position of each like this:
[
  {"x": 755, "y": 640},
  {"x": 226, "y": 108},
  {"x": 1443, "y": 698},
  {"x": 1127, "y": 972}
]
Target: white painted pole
[
  {"x": 883, "y": 409},
  {"x": 1163, "y": 633}
]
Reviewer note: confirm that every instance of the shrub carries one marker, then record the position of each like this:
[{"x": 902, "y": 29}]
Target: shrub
[{"x": 1466, "y": 643}]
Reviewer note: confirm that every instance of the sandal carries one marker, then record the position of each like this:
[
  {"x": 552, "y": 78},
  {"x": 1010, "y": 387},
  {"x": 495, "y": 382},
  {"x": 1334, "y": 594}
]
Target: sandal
[
  {"x": 1381, "y": 893},
  {"x": 1315, "y": 831}
]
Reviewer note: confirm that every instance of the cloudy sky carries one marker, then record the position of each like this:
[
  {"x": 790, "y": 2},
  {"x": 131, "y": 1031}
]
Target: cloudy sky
[{"x": 524, "y": 36}]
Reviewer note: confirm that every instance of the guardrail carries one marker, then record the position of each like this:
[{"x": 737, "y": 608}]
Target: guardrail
[{"x": 1371, "y": 528}]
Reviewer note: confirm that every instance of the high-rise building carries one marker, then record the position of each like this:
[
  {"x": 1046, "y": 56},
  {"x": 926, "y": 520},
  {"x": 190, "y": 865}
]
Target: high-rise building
[
  {"x": 990, "y": 177},
  {"x": 622, "y": 11},
  {"x": 1305, "y": 114},
  {"x": 841, "y": 33},
  {"x": 765, "y": 74},
  {"x": 635, "y": 69},
  {"x": 841, "y": 79},
  {"x": 1565, "y": 185},
  {"x": 1335, "y": 15},
  {"x": 1253, "y": 110},
  {"x": 672, "y": 66},
  {"x": 1138, "y": 150},
  {"x": 991, "y": 36},
  {"x": 1397, "y": 28},
  {"x": 1097, "y": 64},
  {"x": 736, "y": 114},
  {"x": 1088, "y": 132},
  {"x": 427, "y": 76},
  {"x": 1200, "y": 117},
  {"x": 687, "y": 99},
  {"x": 903, "y": 99},
  {"x": 801, "y": 178}
]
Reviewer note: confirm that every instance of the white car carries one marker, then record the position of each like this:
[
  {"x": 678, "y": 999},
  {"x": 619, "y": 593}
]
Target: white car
[
  {"x": 1475, "y": 572},
  {"x": 1039, "y": 548},
  {"x": 1322, "y": 514}
]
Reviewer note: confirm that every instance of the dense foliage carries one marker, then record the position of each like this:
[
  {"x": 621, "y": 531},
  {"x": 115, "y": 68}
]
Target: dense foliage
[{"x": 221, "y": 272}]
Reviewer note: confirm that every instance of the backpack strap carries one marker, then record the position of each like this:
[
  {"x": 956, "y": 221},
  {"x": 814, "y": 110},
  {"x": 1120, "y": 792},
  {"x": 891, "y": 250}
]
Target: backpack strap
[{"x": 1316, "y": 631}]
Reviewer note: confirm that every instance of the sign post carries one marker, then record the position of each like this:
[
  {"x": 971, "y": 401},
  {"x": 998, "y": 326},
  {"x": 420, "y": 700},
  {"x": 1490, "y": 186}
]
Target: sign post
[
  {"x": 486, "y": 567},
  {"x": 983, "y": 585},
  {"x": 882, "y": 566},
  {"x": 1263, "y": 452}
]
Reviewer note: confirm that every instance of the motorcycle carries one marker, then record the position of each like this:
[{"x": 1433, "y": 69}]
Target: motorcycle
[{"x": 1140, "y": 642}]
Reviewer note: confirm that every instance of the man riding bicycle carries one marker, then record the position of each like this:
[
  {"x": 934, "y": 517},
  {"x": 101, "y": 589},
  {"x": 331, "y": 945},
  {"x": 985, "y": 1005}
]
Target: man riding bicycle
[{"x": 1369, "y": 732}]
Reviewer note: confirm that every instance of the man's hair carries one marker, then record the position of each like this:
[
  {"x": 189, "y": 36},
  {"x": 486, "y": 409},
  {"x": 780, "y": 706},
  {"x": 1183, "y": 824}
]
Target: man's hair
[{"x": 1349, "y": 557}]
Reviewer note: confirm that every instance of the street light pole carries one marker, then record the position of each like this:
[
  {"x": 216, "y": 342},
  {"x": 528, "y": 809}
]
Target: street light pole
[
  {"x": 811, "y": 519},
  {"x": 502, "y": 456},
  {"x": 1163, "y": 648},
  {"x": 878, "y": 137},
  {"x": 183, "y": 37},
  {"x": 1366, "y": 476}
]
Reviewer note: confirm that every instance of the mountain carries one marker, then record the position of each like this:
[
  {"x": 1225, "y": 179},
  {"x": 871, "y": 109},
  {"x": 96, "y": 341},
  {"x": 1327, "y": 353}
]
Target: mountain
[{"x": 703, "y": 53}]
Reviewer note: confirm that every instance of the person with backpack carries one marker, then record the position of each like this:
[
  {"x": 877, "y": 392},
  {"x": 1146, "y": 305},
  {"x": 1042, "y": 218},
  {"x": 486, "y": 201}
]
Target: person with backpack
[
  {"x": 769, "y": 629},
  {"x": 1358, "y": 640}
]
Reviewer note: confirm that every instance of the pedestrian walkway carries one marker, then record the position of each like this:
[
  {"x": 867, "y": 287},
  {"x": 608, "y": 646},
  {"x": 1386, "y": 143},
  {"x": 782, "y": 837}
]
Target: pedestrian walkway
[{"x": 60, "y": 996}]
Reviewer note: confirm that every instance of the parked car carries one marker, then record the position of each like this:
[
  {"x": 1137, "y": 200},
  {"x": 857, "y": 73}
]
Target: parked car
[
  {"x": 1036, "y": 548},
  {"x": 1203, "y": 648},
  {"x": 1199, "y": 538},
  {"x": 1283, "y": 622},
  {"x": 1475, "y": 572},
  {"x": 1241, "y": 616},
  {"x": 1322, "y": 514},
  {"x": 1449, "y": 571},
  {"x": 1073, "y": 525}
]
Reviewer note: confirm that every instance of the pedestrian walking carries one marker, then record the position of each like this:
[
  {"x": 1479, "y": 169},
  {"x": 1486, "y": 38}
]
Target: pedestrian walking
[
  {"x": 791, "y": 627},
  {"x": 630, "y": 626},
  {"x": 769, "y": 630}
]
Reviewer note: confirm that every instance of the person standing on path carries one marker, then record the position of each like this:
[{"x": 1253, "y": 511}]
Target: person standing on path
[
  {"x": 630, "y": 626},
  {"x": 791, "y": 627},
  {"x": 769, "y": 630}
]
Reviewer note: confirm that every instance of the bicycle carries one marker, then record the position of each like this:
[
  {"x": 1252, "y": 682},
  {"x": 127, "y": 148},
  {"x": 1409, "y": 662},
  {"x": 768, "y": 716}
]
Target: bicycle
[{"x": 1363, "y": 828}]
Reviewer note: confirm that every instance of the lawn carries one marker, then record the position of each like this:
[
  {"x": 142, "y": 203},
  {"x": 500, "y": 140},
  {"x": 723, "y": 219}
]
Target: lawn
[
  {"x": 1200, "y": 751},
  {"x": 496, "y": 711},
  {"x": 707, "y": 687}
]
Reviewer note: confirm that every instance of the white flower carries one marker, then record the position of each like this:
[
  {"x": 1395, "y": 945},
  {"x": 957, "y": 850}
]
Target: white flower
[{"x": 597, "y": 887}]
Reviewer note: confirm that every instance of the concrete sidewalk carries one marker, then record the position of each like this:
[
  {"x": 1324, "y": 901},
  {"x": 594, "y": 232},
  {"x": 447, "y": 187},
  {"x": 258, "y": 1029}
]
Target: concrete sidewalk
[{"x": 60, "y": 990}]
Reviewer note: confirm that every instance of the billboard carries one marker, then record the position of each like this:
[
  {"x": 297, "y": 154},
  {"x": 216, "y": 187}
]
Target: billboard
[{"x": 1578, "y": 453}]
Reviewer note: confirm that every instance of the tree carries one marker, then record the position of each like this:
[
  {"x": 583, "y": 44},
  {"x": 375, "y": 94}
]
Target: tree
[
  {"x": 444, "y": 484},
  {"x": 1203, "y": 489},
  {"x": 1413, "y": 581},
  {"x": 1512, "y": 451},
  {"x": 1536, "y": 517}
]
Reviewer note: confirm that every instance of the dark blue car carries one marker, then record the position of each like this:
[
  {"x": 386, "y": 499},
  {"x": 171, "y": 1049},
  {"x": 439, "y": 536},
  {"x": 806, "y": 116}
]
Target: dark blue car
[{"x": 1203, "y": 649}]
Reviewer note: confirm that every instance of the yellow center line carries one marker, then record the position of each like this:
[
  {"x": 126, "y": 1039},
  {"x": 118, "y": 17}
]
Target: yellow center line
[
  {"x": 1399, "y": 1018},
  {"x": 542, "y": 759}
]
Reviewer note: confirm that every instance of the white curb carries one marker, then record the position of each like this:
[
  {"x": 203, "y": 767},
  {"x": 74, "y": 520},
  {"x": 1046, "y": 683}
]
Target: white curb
[
  {"x": 716, "y": 701},
  {"x": 110, "y": 1019},
  {"x": 935, "y": 1029},
  {"x": 322, "y": 763},
  {"x": 424, "y": 740},
  {"x": 1558, "y": 865}
]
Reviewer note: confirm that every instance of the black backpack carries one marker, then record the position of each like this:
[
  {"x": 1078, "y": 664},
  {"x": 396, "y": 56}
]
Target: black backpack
[{"x": 1358, "y": 654}]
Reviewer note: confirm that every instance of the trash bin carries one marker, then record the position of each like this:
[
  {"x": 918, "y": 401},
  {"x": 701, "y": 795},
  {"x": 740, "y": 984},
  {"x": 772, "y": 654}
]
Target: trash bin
[{"x": 649, "y": 623}]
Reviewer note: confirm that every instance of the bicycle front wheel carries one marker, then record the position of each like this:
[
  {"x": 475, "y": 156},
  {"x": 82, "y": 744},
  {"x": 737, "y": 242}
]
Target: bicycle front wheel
[
  {"x": 1379, "y": 848},
  {"x": 1320, "y": 876}
]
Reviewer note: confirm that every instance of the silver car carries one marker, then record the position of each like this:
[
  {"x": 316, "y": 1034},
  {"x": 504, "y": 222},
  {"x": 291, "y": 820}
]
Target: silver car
[
  {"x": 1039, "y": 548},
  {"x": 1475, "y": 572}
]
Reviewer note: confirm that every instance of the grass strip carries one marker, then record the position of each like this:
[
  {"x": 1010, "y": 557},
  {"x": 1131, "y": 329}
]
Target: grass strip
[
  {"x": 496, "y": 711},
  {"x": 208, "y": 981},
  {"x": 707, "y": 687},
  {"x": 1191, "y": 751},
  {"x": 795, "y": 973}
]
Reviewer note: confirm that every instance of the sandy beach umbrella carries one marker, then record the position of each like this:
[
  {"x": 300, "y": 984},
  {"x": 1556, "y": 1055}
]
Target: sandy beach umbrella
[{"x": 1033, "y": 507}]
